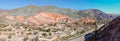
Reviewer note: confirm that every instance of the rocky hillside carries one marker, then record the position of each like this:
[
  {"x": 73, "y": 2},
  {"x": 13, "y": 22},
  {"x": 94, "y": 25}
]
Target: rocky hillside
[
  {"x": 109, "y": 32},
  {"x": 47, "y": 18},
  {"x": 32, "y": 10},
  {"x": 95, "y": 14},
  {"x": 5, "y": 21},
  {"x": 51, "y": 22}
]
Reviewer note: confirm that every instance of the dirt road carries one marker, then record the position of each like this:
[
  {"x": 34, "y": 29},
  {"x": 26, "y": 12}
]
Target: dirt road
[{"x": 80, "y": 37}]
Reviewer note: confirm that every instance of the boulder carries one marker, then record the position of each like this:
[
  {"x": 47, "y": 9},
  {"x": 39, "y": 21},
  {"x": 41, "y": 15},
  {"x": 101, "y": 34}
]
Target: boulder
[{"x": 109, "y": 32}]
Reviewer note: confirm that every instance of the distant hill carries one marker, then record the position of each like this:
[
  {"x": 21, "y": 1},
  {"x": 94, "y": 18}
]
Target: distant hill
[
  {"x": 5, "y": 21},
  {"x": 95, "y": 14},
  {"x": 32, "y": 10}
]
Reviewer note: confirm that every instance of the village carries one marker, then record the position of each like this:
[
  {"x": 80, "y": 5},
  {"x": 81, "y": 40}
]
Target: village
[{"x": 40, "y": 33}]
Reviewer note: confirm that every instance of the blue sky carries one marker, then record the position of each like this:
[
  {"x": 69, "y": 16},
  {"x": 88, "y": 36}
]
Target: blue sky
[{"x": 108, "y": 6}]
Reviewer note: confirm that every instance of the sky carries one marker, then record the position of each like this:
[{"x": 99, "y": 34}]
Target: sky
[{"x": 108, "y": 6}]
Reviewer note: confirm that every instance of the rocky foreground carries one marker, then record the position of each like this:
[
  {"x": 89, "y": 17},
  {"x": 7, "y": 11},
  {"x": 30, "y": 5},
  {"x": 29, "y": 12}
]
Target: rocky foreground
[{"x": 109, "y": 32}]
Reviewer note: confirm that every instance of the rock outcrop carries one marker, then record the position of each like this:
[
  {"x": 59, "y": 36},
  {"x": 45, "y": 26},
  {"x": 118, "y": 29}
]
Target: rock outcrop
[
  {"x": 20, "y": 18},
  {"x": 109, "y": 32},
  {"x": 31, "y": 21},
  {"x": 47, "y": 18},
  {"x": 41, "y": 18},
  {"x": 96, "y": 14},
  {"x": 87, "y": 20}
]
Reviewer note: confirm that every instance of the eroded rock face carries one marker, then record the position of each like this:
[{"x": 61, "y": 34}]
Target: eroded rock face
[
  {"x": 20, "y": 18},
  {"x": 109, "y": 32},
  {"x": 31, "y": 21},
  {"x": 42, "y": 18},
  {"x": 47, "y": 18},
  {"x": 9, "y": 17},
  {"x": 87, "y": 20}
]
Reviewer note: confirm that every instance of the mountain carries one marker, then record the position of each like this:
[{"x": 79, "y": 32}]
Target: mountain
[
  {"x": 96, "y": 14},
  {"x": 5, "y": 21},
  {"x": 109, "y": 32},
  {"x": 32, "y": 10},
  {"x": 47, "y": 18},
  {"x": 91, "y": 13}
]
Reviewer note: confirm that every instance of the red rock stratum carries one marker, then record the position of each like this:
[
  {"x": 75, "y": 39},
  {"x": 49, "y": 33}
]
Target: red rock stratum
[{"x": 47, "y": 18}]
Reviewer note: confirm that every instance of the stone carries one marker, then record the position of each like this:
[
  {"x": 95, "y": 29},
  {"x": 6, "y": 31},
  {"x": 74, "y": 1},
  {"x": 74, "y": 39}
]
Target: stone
[
  {"x": 47, "y": 18},
  {"x": 109, "y": 32}
]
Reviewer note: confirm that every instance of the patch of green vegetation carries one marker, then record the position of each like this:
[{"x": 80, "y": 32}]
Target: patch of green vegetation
[
  {"x": 82, "y": 32},
  {"x": 44, "y": 34},
  {"x": 25, "y": 39},
  {"x": 9, "y": 36}
]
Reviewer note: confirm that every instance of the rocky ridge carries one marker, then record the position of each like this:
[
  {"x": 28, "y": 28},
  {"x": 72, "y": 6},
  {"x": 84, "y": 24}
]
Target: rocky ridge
[{"x": 109, "y": 32}]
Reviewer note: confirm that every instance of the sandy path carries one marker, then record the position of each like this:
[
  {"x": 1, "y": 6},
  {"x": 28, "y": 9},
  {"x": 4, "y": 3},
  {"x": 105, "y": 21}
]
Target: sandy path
[{"x": 79, "y": 38}]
